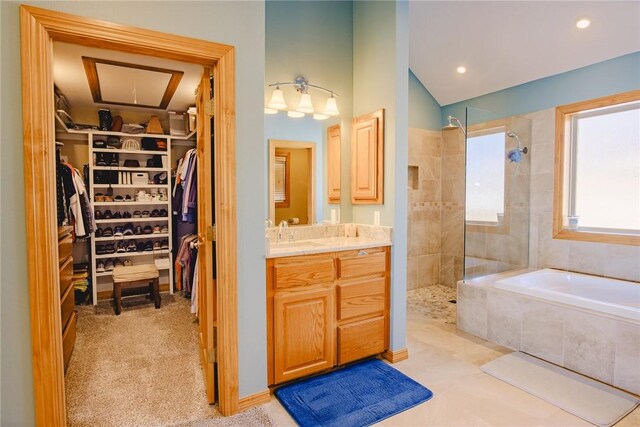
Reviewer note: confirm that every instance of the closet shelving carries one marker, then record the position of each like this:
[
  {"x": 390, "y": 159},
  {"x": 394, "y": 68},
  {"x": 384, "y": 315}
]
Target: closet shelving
[{"x": 102, "y": 281}]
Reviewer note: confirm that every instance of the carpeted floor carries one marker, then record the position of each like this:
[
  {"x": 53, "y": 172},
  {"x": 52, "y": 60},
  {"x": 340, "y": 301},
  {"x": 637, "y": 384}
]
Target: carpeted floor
[
  {"x": 142, "y": 368},
  {"x": 433, "y": 302}
]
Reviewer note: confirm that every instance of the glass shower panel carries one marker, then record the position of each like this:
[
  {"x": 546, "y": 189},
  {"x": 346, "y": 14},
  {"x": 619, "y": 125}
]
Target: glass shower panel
[{"x": 497, "y": 172}]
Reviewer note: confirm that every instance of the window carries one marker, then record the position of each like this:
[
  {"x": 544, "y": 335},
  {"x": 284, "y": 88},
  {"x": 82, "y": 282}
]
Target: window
[
  {"x": 597, "y": 191},
  {"x": 485, "y": 176},
  {"x": 282, "y": 182}
]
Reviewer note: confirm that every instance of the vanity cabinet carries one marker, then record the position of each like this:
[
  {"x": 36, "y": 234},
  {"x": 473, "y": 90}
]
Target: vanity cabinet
[
  {"x": 367, "y": 159},
  {"x": 325, "y": 310}
]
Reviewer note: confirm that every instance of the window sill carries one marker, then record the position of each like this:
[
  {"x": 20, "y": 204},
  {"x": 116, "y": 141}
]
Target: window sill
[{"x": 590, "y": 236}]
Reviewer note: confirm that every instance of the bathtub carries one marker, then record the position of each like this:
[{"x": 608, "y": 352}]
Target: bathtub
[
  {"x": 611, "y": 296},
  {"x": 587, "y": 324}
]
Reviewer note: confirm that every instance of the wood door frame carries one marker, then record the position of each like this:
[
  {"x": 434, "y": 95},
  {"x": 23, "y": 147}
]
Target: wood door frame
[
  {"x": 39, "y": 28},
  {"x": 311, "y": 194}
]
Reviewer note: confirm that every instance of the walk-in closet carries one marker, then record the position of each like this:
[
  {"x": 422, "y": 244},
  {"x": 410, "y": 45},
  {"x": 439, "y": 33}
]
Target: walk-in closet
[{"x": 127, "y": 213}]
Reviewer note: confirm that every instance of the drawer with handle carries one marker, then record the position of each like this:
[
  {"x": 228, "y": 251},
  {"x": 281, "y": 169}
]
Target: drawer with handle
[
  {"x": 300, "y": 271},
  {"x": 360, "y": 263}
]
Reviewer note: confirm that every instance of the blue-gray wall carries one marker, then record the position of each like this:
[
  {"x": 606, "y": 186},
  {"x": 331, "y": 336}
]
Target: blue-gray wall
[
  {"x": 424, "y": 110},
  {"x": 380, "y": 80},
  {"x": 313, "y": 39},
  {"x": 616, "y": 75},
  {"x": 236, "y": 23}
]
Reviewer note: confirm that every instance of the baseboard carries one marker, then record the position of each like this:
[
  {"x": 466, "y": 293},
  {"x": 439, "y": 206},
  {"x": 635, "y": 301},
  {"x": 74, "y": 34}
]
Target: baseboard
[
  {"x": 106, "y": 295},
  {"x": 397, "y": 355},
  {"x": 254, "y": 400}
]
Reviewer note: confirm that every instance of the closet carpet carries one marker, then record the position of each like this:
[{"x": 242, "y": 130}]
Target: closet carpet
[{"x": 142, "y": 368}]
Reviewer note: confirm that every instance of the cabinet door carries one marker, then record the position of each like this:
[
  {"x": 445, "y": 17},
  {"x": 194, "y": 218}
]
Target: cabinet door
[
  {"x": 303, "y": 333},
  {"x": 333, "y": 163},
  {"x": 367, "y": 159}
]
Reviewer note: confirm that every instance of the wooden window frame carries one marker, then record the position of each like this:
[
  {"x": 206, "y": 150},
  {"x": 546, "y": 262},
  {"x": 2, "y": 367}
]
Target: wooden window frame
[
  {"x": 39, "y": 28},
  {"x": 287, "y": 180},
  {"x": 563, "y": 118}
]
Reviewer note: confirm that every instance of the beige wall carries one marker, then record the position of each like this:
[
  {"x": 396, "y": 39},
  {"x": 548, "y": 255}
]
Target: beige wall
[
  {"x": 423, "y": 240},
  {"x": 299, "y": 190},
  {"x": 618, "y": 261}
]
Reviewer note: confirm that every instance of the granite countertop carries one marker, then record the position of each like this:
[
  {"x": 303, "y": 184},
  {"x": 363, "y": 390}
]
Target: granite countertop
[{"x": 320, "y": 245}]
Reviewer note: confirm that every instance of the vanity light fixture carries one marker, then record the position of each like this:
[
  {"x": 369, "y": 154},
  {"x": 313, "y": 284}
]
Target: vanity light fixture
[
  {"x": 305, "y": 105},
  {"x": 461, "y": 69},
  {"x": 583, "y": 23}
]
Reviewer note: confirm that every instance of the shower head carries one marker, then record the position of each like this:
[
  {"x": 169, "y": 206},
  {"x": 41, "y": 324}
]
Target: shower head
[
  {"x": 515, "y": 155},
  {"x": 452, "y": 126}
]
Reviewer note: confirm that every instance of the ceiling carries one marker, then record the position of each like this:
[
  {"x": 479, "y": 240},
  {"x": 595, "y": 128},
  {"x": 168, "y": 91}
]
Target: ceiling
[
  {"x": 507, "y": 43},
  {"x": 118, "y": 83}
]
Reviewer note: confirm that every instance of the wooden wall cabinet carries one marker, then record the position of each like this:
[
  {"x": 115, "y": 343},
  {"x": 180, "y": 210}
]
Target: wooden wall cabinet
[
  {"x": 334, "y": 142},
  {"x": 367, "y": 159},
  {"x": 325, "y": 310}
]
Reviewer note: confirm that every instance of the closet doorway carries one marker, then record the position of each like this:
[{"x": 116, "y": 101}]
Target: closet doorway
[{"x": 39, "y": 29}]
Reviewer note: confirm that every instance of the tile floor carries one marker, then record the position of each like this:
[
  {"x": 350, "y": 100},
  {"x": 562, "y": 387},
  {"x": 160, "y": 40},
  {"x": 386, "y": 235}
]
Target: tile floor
[{"x": 448, "y": 362}]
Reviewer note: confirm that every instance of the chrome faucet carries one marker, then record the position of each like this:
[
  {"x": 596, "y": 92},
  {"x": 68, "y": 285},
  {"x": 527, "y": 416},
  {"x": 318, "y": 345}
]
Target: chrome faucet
[{"x": 283, "y": 224}]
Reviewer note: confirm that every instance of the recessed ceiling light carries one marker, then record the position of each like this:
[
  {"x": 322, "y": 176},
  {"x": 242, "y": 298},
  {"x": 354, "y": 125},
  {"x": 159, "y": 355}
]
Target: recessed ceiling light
[
  {"x": 583, "y": 23},
  {"x": 461, "y": 69}
]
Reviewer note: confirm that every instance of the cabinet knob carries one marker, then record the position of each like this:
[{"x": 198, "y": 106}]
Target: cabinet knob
[{"x": 362, "y": 252}]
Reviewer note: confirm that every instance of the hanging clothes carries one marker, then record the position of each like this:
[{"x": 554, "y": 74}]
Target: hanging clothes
[{"x": 73, "y": 205}]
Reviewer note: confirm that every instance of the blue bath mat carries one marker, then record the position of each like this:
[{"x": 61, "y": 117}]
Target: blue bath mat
[{"x": 358, "y": 395}]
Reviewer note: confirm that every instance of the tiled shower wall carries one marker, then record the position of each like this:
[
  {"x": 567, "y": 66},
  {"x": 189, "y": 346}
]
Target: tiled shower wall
[{"x": 424, "y": 210}]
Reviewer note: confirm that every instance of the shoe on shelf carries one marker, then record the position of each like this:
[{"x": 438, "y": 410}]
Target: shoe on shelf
[
  {"x": 128, "y": 229},
  {"x": 108, "y": 214},
  {"x": 118, "y": 198},
  {"x": 118, "y": 232},
  {"x": 148, "y": 246},
  {"x": 99, "y": 197},
  {"x": 127, "y": 198},
  {"x": 163, "y": 212},
  {"x": 131, "y": 247},
  {"x": 108, "y": 198},
  {"x": 97, "y": 215},
  {"x": 137, "y": 214},
  {"x": 126, "y": 214},
  {"x": 145, "y": 214},
  {"x": 117, "y": 215},
  {"x": 156, "y": 245},
  {"x": 147, "y": 229},
  {"x": 137, "y": 230},
  {"x": 157, "y": 229},
  {"x": 164, "y": 244},
  {"x": 122, "y": 247},
  {"x": 110, "y": 249},
  {"x": 107, "y": 232},
  {"x": 100, "y": 250},
  {"x": 99, "y": 232},
  {"x": 117, "y": 262},
  {"x": 128, "y": 262},
  {"x": 100, "y": 267},
  {"x": 155, "y": 213},
  {"x": 164, "y": 229},
  {"x": 140, "y": 247},
  {"x": 108, "y": 266}
]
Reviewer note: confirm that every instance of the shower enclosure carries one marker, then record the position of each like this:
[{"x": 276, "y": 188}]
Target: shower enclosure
[{"x": 496, "y": 208}]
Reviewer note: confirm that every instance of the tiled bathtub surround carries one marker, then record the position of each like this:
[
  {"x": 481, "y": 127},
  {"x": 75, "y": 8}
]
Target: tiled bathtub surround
[
  {"x": 601, "y": 346},
  {"x": 617, "y": 261}
]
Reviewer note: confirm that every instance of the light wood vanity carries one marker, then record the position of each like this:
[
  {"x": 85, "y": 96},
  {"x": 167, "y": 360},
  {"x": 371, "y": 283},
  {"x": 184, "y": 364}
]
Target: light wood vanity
[{"x": 326, "y": 309}]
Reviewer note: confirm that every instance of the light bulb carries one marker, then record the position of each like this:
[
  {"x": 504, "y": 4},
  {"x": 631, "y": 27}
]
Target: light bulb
[
  {"x": 331, "y": 109},
  {"x": 295, "y": 114},
  {"x": 305, "y": 106},
  {"x": 277, "y": 100},
  {"x": 461, "y": 69},
  {"x": 321, "y": 116},
  {"x": 583, "y": 23}
]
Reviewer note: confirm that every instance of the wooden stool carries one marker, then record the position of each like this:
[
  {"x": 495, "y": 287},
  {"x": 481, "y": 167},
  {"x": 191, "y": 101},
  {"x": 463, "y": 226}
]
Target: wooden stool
[{"x": 135, "y": 274}]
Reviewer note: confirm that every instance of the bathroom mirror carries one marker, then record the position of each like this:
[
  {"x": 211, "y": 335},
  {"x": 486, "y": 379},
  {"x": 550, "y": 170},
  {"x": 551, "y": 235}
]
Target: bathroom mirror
[{"x": 292, "y": 182}]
